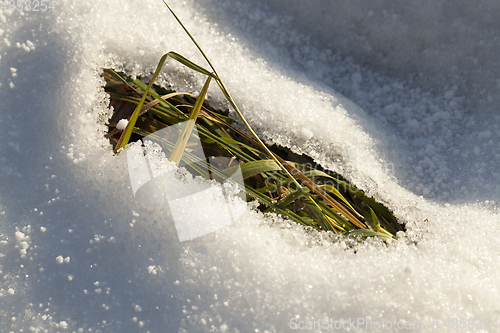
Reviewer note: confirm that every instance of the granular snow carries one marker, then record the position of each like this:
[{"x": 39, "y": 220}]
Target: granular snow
[{"x": 349, "y": 91}]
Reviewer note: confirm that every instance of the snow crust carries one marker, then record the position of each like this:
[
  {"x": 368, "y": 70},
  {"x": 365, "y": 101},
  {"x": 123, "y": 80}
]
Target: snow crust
[{"x": 400, "y": 99}]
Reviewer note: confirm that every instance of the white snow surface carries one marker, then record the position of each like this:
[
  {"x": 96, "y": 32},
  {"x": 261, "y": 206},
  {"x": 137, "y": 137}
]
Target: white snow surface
[{"x": 399, "y": 96}]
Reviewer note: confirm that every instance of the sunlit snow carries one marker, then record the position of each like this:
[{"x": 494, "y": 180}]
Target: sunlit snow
[{"x": 401, "y": 98}]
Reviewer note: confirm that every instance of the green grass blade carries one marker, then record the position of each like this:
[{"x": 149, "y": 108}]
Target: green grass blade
[
  {"x": 191, "y": 65},
  {"x": 115, "y": 75},
  {"x": 344, "y": 223},
  {"x": 318, "y": 215},
  {"x": 159, "y": 100},
  {"x": 229, "y": 97},
  {"x": 336, "y": 192},
  {"x": 188, "y": 129},
  {"x": 373, "y": 222},
  {"x": 125, "y": 137},
  {"x": 253, "y": 168}
]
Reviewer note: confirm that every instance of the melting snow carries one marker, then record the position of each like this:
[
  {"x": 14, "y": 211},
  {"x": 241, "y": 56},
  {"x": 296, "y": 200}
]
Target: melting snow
[{"x": 400, "y": 99}]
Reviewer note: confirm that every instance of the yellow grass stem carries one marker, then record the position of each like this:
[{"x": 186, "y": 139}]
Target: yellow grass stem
[{"x": 181, "y": 143}]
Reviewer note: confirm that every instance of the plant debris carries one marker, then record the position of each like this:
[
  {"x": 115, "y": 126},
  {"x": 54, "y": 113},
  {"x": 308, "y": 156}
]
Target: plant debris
[{"x": 323, "y": 200}]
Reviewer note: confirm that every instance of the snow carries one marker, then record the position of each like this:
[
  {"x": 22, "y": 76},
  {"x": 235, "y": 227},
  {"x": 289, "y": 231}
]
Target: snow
[
  {"x": 401, "y": 99},
  {"x": 122, "y": 124}
]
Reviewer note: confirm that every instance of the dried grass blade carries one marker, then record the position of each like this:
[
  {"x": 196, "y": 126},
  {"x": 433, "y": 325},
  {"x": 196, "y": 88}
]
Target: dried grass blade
[
  {"x": 319, "y": 191},
  {"x": 148, "y": 106}
]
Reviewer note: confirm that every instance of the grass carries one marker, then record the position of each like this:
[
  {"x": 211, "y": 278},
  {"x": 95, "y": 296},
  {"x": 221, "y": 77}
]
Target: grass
[{"x": 189, "y": 130}]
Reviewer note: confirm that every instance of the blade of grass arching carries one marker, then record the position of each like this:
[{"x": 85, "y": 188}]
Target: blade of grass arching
[
  {"x": 229, "y": 97},
  {"x": 125, "y": 137},
  {"x": 158, "y": 100},
  {"x": 192, "y": 65},
  {"x": 162, "y": 101},
  {"x": 253, "y": 168},
  {"x": 190, "y": 124},
  {"x": 190, "y": 36}
]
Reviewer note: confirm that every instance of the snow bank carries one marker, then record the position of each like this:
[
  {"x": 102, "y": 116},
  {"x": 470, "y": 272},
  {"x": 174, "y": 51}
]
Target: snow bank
[{"x": 80, "y": 254}]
